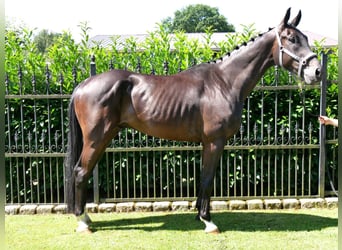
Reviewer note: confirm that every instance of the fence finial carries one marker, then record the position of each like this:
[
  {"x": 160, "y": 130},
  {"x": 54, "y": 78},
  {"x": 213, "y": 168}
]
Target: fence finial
[{"x": 92, "y": 65}]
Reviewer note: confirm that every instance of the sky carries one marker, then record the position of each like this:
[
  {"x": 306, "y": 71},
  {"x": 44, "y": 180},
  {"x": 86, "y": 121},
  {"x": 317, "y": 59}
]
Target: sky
[{"x": 117, "y": 17}]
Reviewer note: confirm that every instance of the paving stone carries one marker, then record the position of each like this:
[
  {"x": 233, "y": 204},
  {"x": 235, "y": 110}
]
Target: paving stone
[
  {"x": 291, "y": 204},
  {"x": 180, "y": 206},
  {"x": 193, "y": 206},
  {"x": 161, "y": 206},
  {"x": 331, "y": 202},
  {"x": 107, "y": 207},
  {"x": 45, "y": 209},
  {"x": 272, "y": 204},
  {"x": 28, "y": 209},
  {"x": 143, "y": 207},
  {"x": 312, "y": 203},
  {"x": 237, "y": 205},
  {"x": 91, "y": 208},
  {"x": 60, "y": 209},
  {"x": 12, "y": 209},
  {"x": 125, "y": 207},
  {"x": 255, "y": 204},
  {"x": 219, "y": 205}
]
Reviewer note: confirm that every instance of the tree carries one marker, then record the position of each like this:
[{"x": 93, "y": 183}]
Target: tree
[
  {"x": 45, "y": 39},
  {"x": 197, "y": 18}
]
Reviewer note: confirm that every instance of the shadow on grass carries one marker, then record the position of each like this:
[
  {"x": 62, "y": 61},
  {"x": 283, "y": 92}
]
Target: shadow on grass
[{"x": 226, "y": 221}]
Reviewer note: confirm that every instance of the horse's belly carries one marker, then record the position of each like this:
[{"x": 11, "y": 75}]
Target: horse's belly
[
  {"x": 172, "y": 132},
  {"x": 169, "y": 130}
]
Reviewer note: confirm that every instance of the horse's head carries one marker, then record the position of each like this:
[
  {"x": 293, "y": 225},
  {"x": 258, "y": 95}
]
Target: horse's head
[{"x": 291, "y": 50}]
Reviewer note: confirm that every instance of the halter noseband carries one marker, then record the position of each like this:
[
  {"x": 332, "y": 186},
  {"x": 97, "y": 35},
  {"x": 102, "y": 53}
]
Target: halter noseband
[{"x": 302, "y": 61}]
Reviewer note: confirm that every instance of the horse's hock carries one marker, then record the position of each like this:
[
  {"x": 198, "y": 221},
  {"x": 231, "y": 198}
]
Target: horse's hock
[{"x": 179, "y": 206}]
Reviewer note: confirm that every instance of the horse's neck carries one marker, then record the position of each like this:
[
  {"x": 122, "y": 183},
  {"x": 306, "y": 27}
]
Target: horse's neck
[{"x": 245, "y": 68}]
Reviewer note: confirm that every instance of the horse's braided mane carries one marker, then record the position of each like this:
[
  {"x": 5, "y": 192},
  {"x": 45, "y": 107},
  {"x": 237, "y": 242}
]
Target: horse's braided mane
[{"x": 238, "y": 47}]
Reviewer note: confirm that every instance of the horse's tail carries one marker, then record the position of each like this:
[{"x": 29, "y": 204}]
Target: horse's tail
[{"x": 75, "y": 144}]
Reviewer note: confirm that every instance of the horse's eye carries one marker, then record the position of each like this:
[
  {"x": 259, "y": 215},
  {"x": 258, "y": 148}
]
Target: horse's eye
[{"x": 292, "y": 39}]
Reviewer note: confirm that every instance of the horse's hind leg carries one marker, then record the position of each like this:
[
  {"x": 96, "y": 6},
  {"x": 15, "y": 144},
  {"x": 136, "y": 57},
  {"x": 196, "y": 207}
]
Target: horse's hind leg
[
  {"x": 93, "y": 148},
  {"x": 82, "y": 172}
]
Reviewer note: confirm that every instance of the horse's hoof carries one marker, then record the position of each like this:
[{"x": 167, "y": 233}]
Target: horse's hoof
[
  {"x": 210, "y": 227},
  {"x": 84, "y": 231},
  {"x": 215, "y": 231}
]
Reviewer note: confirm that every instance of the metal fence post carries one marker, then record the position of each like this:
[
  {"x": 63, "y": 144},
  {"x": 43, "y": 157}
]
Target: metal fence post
[
  {"x": 96, "y": 169},
  {"x": 322, "y": 131}
]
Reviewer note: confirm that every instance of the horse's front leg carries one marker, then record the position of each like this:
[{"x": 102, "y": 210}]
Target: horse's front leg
[{"x": 212, "y": 152}]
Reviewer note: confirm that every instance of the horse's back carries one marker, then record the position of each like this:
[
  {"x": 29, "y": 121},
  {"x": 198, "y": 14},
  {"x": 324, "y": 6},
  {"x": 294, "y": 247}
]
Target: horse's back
[{"x": 100, "y": 84}]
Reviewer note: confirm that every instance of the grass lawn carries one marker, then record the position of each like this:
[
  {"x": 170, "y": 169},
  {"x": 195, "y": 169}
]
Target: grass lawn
[{"x": 275, "y": 229}]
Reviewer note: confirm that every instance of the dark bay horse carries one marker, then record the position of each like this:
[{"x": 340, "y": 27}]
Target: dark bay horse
[{"x": 202, "y": 104}]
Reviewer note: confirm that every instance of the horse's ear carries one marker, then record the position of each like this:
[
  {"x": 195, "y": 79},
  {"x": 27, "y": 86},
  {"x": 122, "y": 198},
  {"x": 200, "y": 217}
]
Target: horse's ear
[
  {"x": 296, "y": 20},
  {"x": 284, "y": 22}
]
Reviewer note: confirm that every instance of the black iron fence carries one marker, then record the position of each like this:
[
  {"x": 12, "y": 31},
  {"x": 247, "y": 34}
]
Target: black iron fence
[{"x": 279, "y": 151}]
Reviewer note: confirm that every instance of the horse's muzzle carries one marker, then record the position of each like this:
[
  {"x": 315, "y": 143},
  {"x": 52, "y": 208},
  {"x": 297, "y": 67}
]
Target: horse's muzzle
[{"x": 312, "y": 73}]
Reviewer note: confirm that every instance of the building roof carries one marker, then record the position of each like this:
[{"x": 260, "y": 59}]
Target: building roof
[
  {"x": 107, "y": 41},
  {"x": 327, "y": 41}
]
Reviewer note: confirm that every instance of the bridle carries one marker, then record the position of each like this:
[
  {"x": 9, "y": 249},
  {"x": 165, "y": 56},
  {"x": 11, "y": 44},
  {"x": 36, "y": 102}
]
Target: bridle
[{"x": 301, "y": 60}]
